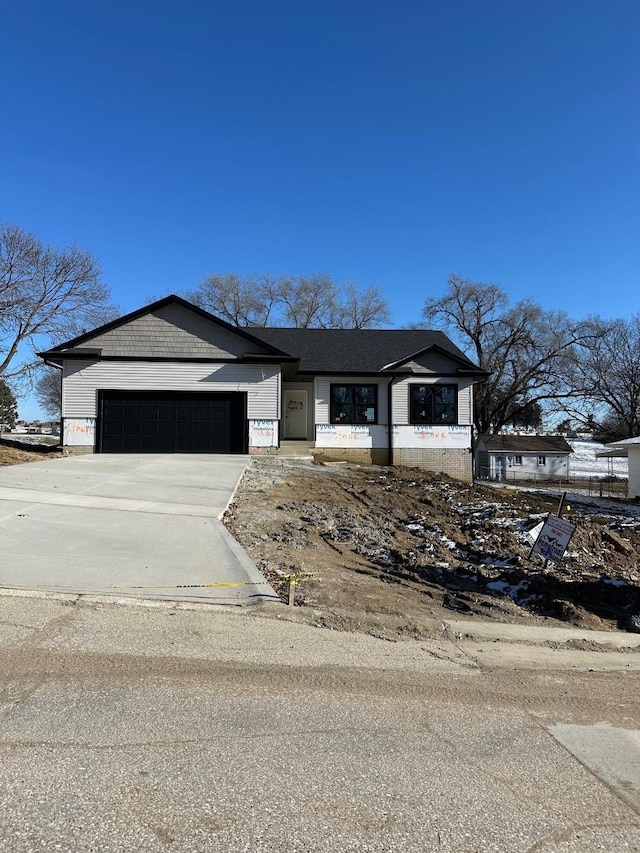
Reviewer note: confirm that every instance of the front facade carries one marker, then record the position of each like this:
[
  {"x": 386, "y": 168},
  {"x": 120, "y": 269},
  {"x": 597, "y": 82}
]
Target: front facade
[
  {"x": 171, "y": 378},
  {"x": 522, "y": 457}
]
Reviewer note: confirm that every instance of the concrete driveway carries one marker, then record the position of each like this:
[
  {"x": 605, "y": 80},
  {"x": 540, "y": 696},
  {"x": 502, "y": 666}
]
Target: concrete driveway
[{"x": 127, "y": 525}]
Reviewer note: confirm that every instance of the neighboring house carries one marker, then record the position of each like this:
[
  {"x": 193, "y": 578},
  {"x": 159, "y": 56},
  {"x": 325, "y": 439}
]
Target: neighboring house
[
  {"x": 630, "y": 448},
  {"x": 522, "y": 457},
  {"x": 172, "y": 378}
]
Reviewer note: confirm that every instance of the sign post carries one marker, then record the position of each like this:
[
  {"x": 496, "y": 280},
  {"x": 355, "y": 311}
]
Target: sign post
[{"x": 551, "y": 537}]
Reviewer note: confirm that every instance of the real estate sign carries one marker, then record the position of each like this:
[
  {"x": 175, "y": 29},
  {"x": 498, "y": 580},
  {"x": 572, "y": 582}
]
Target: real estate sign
[{"x": 553, "y": 538}]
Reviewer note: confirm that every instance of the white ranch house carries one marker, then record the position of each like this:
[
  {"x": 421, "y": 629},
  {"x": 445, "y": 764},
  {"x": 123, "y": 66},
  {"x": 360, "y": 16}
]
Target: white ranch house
[
  {"x": 522, "y": 457},
  {"x": 172, "y": 378}
]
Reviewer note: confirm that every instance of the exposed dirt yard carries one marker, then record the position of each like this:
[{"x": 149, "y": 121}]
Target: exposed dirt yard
[
  {"x": 16, "y": 456},
  {"x": 393, "y": 549}
]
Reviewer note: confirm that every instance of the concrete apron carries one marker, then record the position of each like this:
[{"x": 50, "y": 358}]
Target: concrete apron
[{"x": 145, "y": 526}]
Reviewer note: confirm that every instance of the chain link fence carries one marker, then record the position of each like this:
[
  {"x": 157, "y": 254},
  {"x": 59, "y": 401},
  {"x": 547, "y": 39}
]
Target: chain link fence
[{"x": 606, "y": 486}]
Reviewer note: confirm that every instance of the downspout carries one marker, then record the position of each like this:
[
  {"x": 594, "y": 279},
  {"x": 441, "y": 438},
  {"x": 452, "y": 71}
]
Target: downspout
[{"x": 390, "y": 421}]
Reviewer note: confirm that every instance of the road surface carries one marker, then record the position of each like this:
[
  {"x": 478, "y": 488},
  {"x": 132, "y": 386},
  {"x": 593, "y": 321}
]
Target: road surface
[{"x": 155, "y": 727}]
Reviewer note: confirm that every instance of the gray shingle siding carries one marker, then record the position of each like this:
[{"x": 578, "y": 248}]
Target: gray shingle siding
[{"x": 172, "y": 332}]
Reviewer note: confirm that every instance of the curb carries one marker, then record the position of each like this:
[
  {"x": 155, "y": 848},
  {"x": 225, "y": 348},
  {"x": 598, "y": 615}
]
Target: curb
[{"x": 537, "y": 635}]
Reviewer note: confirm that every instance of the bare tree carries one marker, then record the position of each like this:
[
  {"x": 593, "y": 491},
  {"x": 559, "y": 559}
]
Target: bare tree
[
  {"x": 608, "y": 377},
  {"x": 45, "y": 293},
  {"x": 240, "y": 301},
  {"x": 531, "y": 353},
  {"x": 314, "y": 301},
  {"x": 363, "y": 309},
  {"x": 529, "y": 415},
  {"x": 308, "y": 302},
  {"x": 49, "y": 391}
]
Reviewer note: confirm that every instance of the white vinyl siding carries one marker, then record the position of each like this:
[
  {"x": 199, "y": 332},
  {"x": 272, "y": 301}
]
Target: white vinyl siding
[
  {"x": 322, "y": 403},
  {"x": 634, "y": 471},
  {"x": 522, "y": 465},
  {"x": 400, "y": 398},
  {"x": 82, "y": 380}
]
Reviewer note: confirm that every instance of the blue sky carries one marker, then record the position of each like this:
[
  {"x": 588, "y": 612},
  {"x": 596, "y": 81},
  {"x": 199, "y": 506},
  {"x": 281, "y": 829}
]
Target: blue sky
[{"x": 387, "y": 143}]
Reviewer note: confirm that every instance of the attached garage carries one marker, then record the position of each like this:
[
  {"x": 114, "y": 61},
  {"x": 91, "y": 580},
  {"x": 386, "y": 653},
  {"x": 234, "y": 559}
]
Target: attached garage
[
  {"x": 171, "y": 422},
  {"x": 169, "y": 378}
]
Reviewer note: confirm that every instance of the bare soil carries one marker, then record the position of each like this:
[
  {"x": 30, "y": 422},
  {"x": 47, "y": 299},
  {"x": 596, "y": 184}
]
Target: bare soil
[
  {"x": 393, "y": 551},
  {"x": 16, "y": 456}
]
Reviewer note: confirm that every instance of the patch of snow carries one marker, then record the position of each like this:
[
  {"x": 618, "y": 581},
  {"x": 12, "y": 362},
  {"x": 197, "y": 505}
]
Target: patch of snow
[
  {"x": 530, "y": 599},
  {"x": 583, "y": 461},
  {"x": 32, "y": 438},
  {"x": 498, "y": 564},
  {"x": 505, "y": 588}
]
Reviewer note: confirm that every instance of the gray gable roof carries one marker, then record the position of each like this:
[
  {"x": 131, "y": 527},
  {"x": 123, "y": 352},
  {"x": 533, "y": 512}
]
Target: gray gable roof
[
  {"x": 525, "y": 444},
  {"x": 175, "y": 328},
  {"x": 361, "y": 350}
]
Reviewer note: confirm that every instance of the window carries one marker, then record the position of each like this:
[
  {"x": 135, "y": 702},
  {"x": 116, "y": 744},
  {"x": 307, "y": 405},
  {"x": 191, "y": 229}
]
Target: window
[
  {"x": 542, "y": 460},
  {"x": 433, "y": 404},
  {"x": 517, "y": 460},
  {"x": 354, "y": 404}
]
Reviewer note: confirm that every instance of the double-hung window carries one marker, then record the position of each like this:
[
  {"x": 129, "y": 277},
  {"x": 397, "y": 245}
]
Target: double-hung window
[
  {"x": 354, "y": 404},
  {"x": 433, "y": 404}
]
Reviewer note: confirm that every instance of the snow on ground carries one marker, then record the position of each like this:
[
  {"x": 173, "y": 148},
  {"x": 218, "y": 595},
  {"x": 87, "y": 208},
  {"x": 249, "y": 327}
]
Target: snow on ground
[
  {"x": 583, "y": 461},
  {"x": 31, "y": 438}
]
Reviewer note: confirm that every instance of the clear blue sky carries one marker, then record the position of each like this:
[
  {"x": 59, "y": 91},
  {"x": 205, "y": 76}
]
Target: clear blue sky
[{"x": 387, "y": 143}]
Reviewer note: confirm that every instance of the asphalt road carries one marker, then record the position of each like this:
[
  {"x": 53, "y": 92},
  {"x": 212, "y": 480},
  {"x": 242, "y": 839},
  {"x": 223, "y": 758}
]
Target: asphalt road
[
  {"x": 127, "y": 525},
  {"x": 187, "y": 728}
]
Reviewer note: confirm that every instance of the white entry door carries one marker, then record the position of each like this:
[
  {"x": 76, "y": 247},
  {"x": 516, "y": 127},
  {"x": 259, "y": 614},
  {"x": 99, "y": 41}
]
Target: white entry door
[{"x": 295, "y": 414}]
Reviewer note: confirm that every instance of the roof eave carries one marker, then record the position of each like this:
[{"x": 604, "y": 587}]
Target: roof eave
[
  {"x": 76, "y": 352},
  {"x": 95, "y": 355}
]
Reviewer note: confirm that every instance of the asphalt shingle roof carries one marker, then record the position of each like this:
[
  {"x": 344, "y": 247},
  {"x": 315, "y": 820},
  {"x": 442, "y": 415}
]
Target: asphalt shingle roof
[
  {"x": 526, "y": 443},
  {"x": 356, "y": 350}
]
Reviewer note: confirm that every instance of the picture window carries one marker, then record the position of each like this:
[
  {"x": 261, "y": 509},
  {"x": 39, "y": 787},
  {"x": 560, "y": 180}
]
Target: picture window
[
  {"x": 354, "y": 404},
  {"x": 433, "y": 404}
]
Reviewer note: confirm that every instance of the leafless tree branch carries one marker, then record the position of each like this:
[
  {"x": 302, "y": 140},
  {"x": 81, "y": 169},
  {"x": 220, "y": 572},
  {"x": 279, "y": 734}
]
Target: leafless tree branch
[{"x": 46, "y": 294}]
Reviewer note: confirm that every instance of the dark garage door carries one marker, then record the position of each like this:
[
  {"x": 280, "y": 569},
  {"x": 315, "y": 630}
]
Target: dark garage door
[{"x": 171, "y": 422}]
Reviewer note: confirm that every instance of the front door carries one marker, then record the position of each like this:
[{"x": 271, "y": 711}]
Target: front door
[{"x": 295, "y": 414}]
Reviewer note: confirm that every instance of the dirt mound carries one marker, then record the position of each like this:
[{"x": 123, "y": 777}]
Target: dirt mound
[
  {"x": 390, "y": 549},
  {"x": 16, "y": 456}
]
